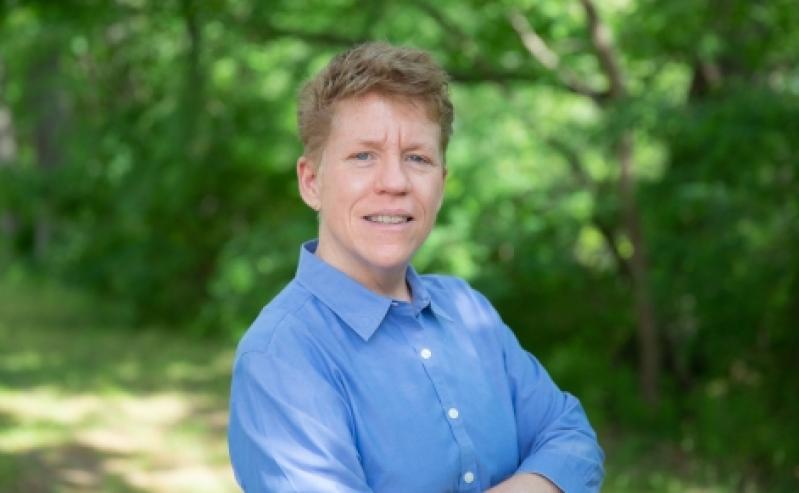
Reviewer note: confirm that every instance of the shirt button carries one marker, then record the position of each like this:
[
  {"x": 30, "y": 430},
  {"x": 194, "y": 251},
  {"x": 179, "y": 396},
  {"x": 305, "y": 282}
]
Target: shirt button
[
  {"x": 453, "y": 413},
  {"x": 425, "y": 353},
  {"x": 468, "y": 477}
]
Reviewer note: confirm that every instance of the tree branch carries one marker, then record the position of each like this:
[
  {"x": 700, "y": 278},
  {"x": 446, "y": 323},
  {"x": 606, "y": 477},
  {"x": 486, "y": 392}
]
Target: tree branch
[
  {"x": 543, "y": 54},
  {"x": 608, "y": 60},
  {"x": 578, "y": 172},
  {"x": 533, "y": 42},
  {"x": 261, "y": 28},
  {"x": 262, "y": 32},
  {"x": 445, "y": 23},
  {"x": 483, "y": 70},
  {"x": 491, "y": 75},
  {"x": 324, "y": 38}
]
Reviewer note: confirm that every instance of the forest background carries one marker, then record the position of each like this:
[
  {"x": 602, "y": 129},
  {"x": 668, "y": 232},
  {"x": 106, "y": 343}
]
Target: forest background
[{"x": 623, "y": 186}]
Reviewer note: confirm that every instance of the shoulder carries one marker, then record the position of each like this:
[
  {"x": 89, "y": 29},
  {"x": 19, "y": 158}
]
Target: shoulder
[
  {"x": 285, "y": 343},
  {"x": 444, "y": 286},
  {"x": 458, "y": 298},
  {"x": 285, "y": 348},
  {"x": 279, "y": 323},
  {"x": 453, "y": 287},
  {"x": 444, "y": 282}
]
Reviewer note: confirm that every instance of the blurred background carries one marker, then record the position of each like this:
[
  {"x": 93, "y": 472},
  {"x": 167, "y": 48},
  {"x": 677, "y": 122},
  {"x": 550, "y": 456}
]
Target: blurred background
[{"x": 623, "y": 185}]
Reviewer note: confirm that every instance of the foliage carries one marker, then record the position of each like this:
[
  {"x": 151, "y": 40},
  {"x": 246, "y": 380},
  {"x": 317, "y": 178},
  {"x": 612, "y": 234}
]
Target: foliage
[{"x": 154, "y": 151}]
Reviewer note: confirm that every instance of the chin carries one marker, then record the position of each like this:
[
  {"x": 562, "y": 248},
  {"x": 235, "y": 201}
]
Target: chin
[{"x": 388, "y": 260}]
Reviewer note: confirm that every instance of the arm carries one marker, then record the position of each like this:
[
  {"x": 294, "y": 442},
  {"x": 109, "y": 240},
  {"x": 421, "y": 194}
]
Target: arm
[
  {"x": 525, "y": 483},
  {"x": 289, "y": 429},
  {"x": 554, "y": 436}
]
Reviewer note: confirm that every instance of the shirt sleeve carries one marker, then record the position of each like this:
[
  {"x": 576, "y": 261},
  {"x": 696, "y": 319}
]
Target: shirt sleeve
[
  {"x": 289, "y": 429},
  {"x": 554, "y": 436}
]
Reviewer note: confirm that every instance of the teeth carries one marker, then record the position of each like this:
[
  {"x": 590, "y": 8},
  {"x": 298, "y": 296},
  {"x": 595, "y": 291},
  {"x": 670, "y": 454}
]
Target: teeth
[{"x": 388, "y": 219}]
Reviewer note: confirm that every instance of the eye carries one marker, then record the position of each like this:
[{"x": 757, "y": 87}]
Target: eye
[
  {"x": 418, "y": 158},
  {"x": 362, "y": 156}
]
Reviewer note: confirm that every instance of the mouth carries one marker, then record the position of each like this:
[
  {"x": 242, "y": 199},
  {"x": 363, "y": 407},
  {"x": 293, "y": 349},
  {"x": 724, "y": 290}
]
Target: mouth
[{"x": 389, "y": 218}]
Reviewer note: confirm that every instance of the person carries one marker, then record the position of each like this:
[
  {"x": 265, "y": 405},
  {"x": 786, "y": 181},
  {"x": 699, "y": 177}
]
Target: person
[{"x": 362, "y": 375}]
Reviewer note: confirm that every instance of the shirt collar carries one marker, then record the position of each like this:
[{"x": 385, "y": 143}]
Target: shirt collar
[{"x": 358, "y": 306}]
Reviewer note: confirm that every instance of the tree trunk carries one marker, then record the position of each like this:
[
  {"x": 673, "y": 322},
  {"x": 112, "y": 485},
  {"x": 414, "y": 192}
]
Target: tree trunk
[
  {"x": 8, "y": 154},
  {"x": 192, "y": 100},
  {"x": 648, "y": 344},
  {"x": 49, "y": 112}
]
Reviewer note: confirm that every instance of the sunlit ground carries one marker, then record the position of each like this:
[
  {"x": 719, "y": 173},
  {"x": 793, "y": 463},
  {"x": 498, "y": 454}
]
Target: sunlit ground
[
  {"x": 87, "y": 406},
  {"x": 156, "y": 442},
  {"x": 90, "y": 407}
]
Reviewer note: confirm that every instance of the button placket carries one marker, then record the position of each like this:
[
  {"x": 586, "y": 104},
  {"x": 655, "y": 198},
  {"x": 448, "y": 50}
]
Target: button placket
[{"x": 432, "y": 363}]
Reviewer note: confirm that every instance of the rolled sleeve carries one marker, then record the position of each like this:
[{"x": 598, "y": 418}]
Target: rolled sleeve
[
  {"x": 289, "y": 429},
  {"x": 554, "y": 436}
]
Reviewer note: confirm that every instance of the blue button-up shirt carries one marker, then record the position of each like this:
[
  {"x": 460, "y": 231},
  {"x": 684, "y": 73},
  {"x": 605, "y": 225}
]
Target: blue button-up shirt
[{"x": 338, "y": 389}]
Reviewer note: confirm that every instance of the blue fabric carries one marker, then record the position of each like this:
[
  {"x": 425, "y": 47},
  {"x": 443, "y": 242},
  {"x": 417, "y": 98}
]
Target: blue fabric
[{"x": 336, "y": 388}]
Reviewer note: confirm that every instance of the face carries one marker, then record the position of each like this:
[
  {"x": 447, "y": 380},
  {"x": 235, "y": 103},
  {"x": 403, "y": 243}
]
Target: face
[{"x": 378, "y": 186}]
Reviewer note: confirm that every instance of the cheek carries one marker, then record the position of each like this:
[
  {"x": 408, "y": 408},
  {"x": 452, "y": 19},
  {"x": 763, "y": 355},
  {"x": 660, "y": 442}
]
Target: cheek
[
  {"x": 436, "y": 197},
  {"x": 344, "y": 193},
  {"x": 353, "y": 187}
]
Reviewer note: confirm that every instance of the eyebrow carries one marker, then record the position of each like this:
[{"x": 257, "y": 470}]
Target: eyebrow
[
  {"x": 371, "y": 143},
  {"x": 377, "y": 144}
]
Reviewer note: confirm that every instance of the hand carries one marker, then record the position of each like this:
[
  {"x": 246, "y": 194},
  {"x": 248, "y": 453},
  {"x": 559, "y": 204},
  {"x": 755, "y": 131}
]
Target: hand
[{"x": 525, "y": 483}]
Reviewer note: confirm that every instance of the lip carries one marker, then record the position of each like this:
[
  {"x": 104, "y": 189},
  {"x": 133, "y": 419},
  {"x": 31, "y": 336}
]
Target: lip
[{"x": 390, "y": 212}]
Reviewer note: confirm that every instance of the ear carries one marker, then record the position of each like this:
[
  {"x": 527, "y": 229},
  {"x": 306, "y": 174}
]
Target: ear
[{"x": 308, "y": 180}]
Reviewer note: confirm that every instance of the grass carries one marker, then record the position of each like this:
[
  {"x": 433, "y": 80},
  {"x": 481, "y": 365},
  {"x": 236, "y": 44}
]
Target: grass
[
  {"x": 91, "y": 404},
  {"x": 88, "y": 405}
]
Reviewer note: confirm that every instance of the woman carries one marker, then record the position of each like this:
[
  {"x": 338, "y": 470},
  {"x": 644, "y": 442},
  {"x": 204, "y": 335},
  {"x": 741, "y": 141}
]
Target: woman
[{"x": 362, "y": 375}]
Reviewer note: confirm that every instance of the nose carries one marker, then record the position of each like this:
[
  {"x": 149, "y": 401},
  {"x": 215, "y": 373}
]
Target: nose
[{"x": 392, "y": 176}]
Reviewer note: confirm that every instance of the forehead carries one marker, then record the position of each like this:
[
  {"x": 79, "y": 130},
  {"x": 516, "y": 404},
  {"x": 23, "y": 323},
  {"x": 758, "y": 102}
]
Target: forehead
[{"x": 377, "y": 116}]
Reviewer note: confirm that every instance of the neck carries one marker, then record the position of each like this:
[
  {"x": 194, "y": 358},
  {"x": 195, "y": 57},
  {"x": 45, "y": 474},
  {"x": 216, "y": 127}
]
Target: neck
[
  {"x": 388, "y": 282},
  {"x": 396, "y": 289}
]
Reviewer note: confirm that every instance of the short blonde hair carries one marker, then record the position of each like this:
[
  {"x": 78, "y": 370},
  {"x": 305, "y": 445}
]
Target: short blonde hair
[{"x": 405, "y": 73}]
